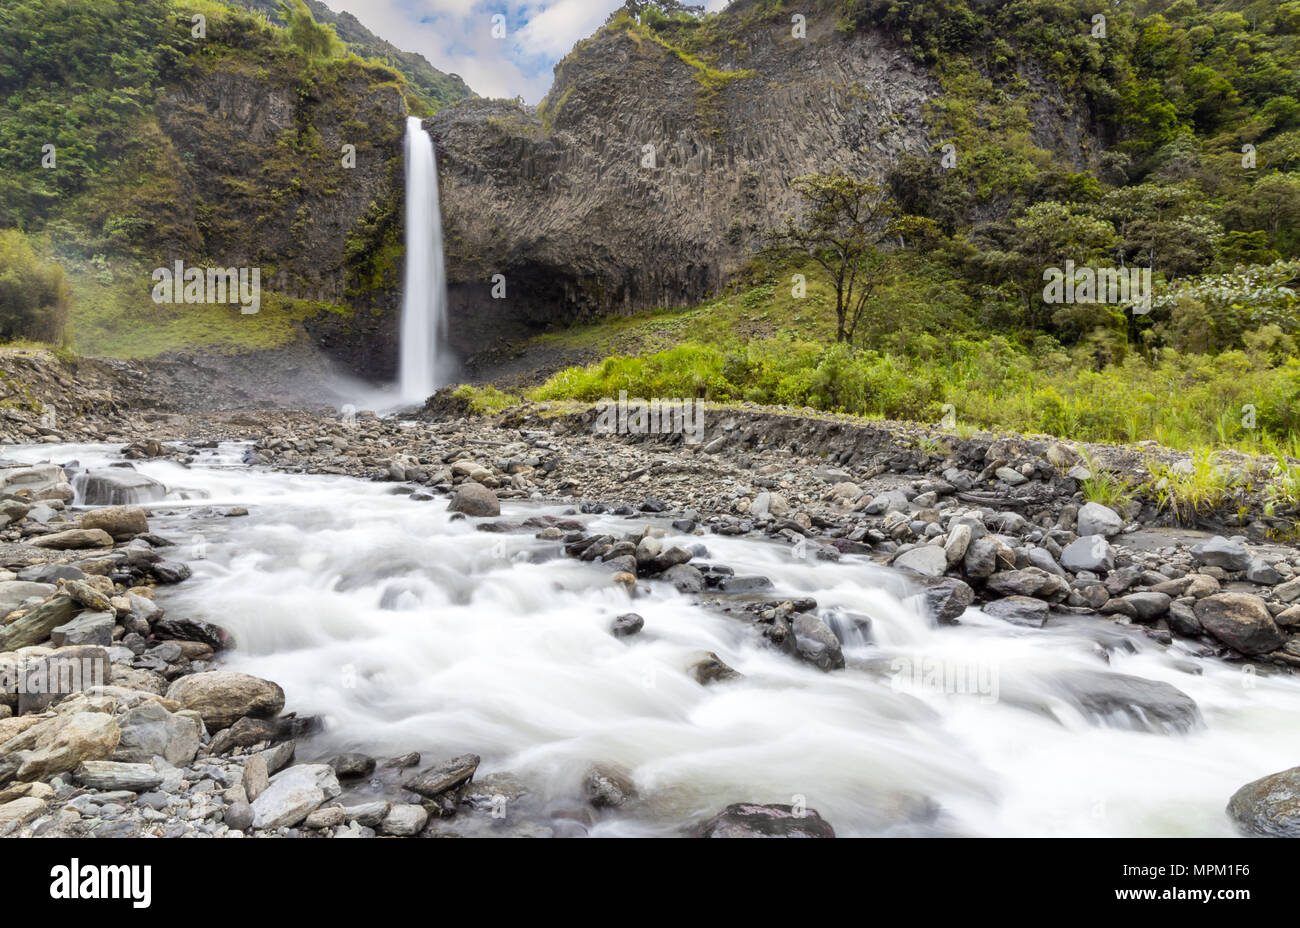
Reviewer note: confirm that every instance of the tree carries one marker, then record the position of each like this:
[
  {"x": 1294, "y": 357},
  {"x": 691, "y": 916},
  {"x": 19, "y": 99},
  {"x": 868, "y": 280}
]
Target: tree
[
  {"x": 844, "y": 223},
  {"x": 315, "y": 40}
]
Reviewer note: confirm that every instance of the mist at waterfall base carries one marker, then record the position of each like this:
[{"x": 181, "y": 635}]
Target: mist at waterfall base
[{"x": 407, "y": 630}]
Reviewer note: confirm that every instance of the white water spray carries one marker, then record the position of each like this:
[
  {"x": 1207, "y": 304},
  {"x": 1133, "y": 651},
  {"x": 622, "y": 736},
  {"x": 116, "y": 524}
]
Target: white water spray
[{"x": 424, "y": 289}]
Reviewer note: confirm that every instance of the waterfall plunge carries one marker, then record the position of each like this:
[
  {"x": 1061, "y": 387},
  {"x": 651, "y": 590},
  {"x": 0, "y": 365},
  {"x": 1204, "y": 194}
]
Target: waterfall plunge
[{"x": 424, "y": 289}]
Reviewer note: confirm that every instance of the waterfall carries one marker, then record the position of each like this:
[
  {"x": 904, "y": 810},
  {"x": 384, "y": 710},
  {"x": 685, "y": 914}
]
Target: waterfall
[{"x": 424, "y": 288}]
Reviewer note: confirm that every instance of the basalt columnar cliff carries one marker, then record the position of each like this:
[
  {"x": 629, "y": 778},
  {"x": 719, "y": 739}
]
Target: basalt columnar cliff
[{"x": 650, "y": 172}]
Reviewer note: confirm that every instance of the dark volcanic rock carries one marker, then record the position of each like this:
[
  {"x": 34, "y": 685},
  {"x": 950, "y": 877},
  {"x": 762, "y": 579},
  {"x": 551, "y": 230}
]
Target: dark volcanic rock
[
  {"x": 1269, "y": 807},
  {"x": 750, "y": 820}
]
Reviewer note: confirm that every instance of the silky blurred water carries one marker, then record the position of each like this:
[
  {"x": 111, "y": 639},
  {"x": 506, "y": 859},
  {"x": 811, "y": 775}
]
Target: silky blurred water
[{"x": 408, "y": 630}]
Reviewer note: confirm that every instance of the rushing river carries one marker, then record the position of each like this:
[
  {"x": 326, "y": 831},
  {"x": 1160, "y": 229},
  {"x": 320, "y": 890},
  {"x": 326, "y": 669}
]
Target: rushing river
[{"x": 408, "y": 630}]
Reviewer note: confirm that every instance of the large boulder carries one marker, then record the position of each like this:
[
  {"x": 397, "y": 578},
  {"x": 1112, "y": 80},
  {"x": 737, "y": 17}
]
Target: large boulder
[
  {"x": 751, "y": 820},
  {"x": 223, "y": 696},
  {"x": 1268, "y": 807},
  {"x": 122, "y": 522},
  {"x": 36, "y": 625},
  {"x": 114, "y": 775},
  {"x": 117, "y": 486},
  {"x": 1132, "y": 702},
  {"x": 37, "y": 479},
  {"x": 1096, "y": 519},
  {"x": 474, "y": 499},
  {"x": 150, "y": 731},
  {"x": 1241, "y": 621}
]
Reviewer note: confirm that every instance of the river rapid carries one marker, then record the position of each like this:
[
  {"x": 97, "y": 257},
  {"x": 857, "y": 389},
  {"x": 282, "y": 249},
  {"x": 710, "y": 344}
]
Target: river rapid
[{"x": 408, "y": 630}]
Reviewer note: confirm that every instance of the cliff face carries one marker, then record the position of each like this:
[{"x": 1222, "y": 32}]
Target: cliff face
[{"x": 647, "y": 176}]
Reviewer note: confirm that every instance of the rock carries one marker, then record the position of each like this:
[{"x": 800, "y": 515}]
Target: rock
[
  {"x": 74, "y": 538},
  {"x": 223, "y": 696},
  {"x": 43, "y": 680},
  {"x": 816, "y": 643},
  {"x": 60, "y": 744},
  {"x": 1096, "y": 519},
  {"x": 256, "y": 775},
  {"x": 710, "y": 669},
  {"x": 1088, "y": 552},
  {"x": 36, "y": 479},
  {"x": 150, "y": 731},
  {"x": 1287, "y": 592},
  {"x": 982, "y": 556},
  {"x": 1268, "y": 807},
  {"x": 609, "y": 787},
  {"x": 293, "y": 794},
  {"x": 626, "y": 625},
  {"x": 89, "y": 628},
  {"x": 750, "y": 820},
  {"x": 1148, "y": 606},
  {"x": 326, "y": 817},
  {"x": 87, "y": 595},
  {"x": 1013, "y": 477},
  {"x": 926, "y": 560},
  {"x": 474, "y": 499},
  {"x": 750, "y": 584},
  {"x": 369, "y": 814},
  {"x": 1148, "y": 705},
  {"x": 111, "y": 775},
  {"x": 959, "y": 539},
  {"x": 946, "y": 598},
  {"x": 404, "y": 820},
  {"x": 1241, "y": 621},
  {"x": 14, "y": 593},
  {"x": 20, "y": 811},
  {"x": 170, "y": 571},
  {"x": 214, "y": 636},
  {"x": 238, "y": 816},
  {"x": 1019, "y": 610},
  {"x": 1262, "y": 573},
  {"x": 1183, "y": 620},
  {"x": 1062, "y": 456},
  {"x": 117, "y": 486},
  {"x": 433, "y": 781},
  {"x": 1029, "y": 581},
  {"x": 685, "y": 578},
  {"x": 353, "y": 765},
  {"x": 890, "y": 499},
  {"x": 122, "y": 522},
  {"x": 1220, "y": 552}
]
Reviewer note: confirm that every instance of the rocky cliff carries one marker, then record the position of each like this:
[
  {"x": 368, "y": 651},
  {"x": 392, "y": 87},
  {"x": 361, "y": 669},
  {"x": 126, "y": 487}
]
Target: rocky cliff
[{"x": 649, "y": 173}]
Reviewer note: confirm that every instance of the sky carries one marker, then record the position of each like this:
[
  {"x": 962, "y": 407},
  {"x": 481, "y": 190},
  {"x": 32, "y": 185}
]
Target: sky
[{"x": 457, "y": 36}]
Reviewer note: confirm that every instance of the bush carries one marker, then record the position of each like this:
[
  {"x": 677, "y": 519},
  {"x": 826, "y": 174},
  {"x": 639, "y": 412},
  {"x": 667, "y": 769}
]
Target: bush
[{"x": 33, "y": 292}]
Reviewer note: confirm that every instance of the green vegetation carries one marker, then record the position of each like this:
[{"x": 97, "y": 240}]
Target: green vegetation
[
  {"x": 485, "y": 400},
  {"x": 1178, "y": 150},
  {"x": 33, "y": 292},
  {"x": 115, "y": 176}
]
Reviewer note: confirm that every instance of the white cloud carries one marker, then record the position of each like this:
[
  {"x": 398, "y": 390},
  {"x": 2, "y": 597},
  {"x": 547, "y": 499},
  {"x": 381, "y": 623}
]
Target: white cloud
[{"x": 456, "y": 36}]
